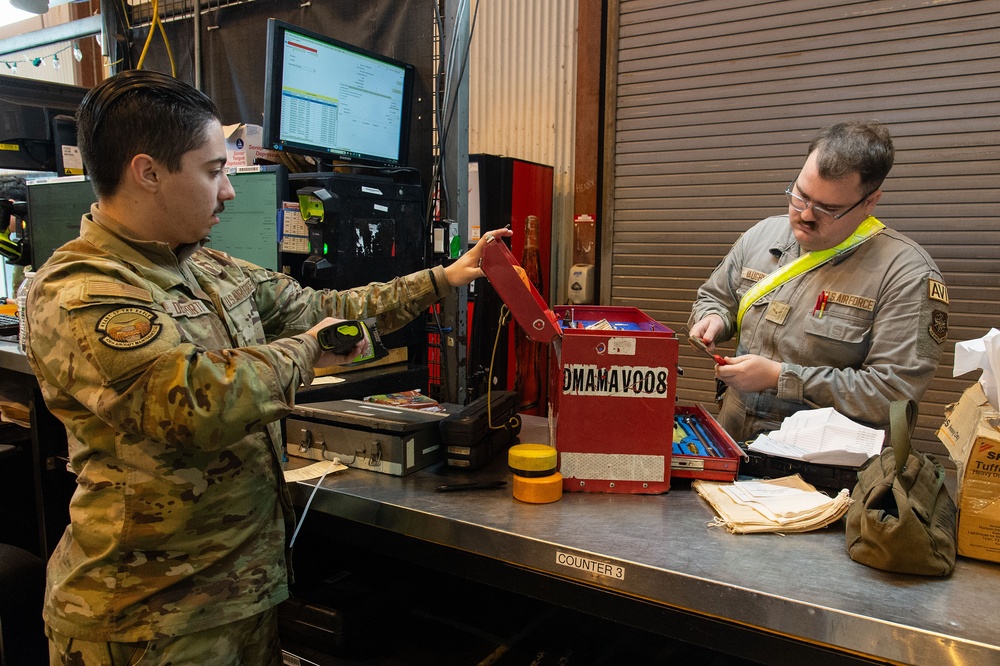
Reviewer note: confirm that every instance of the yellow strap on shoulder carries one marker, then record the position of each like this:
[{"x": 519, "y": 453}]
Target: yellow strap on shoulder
[{"x": 868, "y": 228}]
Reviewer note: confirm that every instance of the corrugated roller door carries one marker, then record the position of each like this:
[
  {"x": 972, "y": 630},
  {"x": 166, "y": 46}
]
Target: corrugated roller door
[{"x": 717, "y": 102}]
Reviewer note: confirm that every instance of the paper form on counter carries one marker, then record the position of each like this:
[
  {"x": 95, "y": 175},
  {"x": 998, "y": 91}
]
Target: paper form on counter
[{"x": 314, "y": 471}]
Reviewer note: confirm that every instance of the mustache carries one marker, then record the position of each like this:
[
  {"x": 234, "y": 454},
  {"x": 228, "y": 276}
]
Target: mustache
[{"x": 221, "y": 208}]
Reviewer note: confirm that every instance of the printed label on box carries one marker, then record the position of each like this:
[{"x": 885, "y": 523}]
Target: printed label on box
[
  {"x": 621, "y": 346},
  {"x": 616, "y": 381}
]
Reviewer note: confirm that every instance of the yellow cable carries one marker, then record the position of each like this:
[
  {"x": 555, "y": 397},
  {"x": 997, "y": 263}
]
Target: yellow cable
[
  {"x": 149, "y": 38},
  {"x": 513, "y": 421},
  {"x": 153, "y": 26},
  {"x": 166, "y": 44}
]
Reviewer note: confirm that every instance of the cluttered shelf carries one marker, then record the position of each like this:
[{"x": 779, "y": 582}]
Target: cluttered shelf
[{"x": 801, "y": 591}]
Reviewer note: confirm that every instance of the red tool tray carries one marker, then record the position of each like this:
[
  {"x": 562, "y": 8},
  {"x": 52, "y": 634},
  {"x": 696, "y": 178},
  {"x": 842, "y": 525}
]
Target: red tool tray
[{"x": 721, "y": 467}]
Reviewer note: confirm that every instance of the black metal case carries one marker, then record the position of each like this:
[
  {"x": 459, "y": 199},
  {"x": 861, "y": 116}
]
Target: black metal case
[{"x": 472, "y": 436}]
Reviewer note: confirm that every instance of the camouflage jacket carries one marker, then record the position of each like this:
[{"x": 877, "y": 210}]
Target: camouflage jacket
[{"x": 171, "y": 372}]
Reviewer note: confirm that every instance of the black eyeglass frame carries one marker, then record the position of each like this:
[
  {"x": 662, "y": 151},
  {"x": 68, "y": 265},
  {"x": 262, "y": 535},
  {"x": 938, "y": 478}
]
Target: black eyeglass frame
[{"x": 819, "y": 209}]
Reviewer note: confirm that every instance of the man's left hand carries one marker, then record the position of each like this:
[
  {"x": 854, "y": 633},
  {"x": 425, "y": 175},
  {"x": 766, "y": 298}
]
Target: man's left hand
[
  {"x": 749, "y": 373},
  {"x": 466, "y": 268}
]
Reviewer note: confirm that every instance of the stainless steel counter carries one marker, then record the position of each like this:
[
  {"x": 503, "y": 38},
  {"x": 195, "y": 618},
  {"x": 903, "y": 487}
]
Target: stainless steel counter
[
  {"x": 660, "y": 550},
  {"x": 11, "y": 358}
]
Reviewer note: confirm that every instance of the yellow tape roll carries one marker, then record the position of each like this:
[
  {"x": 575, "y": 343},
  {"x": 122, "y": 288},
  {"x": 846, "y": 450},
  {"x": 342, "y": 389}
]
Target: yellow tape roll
[
  {"x": 532, "y": 459},
  {"x": 539, "y": 489}
]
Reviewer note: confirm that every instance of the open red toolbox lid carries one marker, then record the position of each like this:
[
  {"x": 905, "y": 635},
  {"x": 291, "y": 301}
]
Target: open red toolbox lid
[{"x": 530, "y": 310}]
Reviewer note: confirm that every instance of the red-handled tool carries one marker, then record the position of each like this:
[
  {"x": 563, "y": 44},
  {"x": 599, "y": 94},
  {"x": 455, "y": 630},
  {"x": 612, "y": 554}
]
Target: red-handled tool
[{"x": 700, "y": 345}]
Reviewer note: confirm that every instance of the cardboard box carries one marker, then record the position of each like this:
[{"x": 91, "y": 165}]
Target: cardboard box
[
  {"x": 244, "y": 147},
  {"x": 971, "y": 433}
]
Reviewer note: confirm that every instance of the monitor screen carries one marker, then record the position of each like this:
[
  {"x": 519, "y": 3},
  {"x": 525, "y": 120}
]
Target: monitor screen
[
  {"x": 247, "y": 229},
  {"x": 55, "y": 206},
  {"x": 328, "y": 99}
]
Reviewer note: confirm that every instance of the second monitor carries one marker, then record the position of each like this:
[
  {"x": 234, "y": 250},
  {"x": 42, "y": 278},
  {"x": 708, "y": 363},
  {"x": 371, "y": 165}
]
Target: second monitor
[{"x": 247, "y": 229}]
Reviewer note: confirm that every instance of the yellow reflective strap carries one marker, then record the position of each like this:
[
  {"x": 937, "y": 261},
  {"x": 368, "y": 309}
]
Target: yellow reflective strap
[{"x": 868, "y": 228}]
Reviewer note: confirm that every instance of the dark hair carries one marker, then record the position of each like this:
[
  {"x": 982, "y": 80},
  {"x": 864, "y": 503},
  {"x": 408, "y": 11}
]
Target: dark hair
[
  {"x": 859, "y": 146},
  {"x": 13, "y": 188},
  {"x": 139, "y": 111}
]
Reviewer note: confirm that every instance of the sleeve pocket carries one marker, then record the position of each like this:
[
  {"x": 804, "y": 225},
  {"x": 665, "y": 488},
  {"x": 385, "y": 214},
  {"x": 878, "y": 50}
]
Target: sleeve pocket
[{"x": 120, "y": 336}]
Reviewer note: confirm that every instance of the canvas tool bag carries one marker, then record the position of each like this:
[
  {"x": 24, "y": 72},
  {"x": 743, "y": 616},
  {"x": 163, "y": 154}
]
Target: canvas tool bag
[{"x": 902, "y": 518}]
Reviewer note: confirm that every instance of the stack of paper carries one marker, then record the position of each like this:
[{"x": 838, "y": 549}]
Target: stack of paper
[
  {"x": 788, "y": 504},
  {"x": 823, "y": 436}
]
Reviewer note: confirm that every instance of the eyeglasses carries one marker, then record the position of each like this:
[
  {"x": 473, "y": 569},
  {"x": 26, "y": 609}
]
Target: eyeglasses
[{"x": 800, "y": 204}]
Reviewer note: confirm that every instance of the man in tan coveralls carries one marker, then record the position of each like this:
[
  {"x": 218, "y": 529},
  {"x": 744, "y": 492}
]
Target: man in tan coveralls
[
  {"x": 830, "y": 307},
  {"x": 171, "y": 365}
]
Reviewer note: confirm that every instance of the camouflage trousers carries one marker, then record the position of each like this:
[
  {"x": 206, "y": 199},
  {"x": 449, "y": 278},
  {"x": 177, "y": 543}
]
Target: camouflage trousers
[{"x": 249, "y": 642}]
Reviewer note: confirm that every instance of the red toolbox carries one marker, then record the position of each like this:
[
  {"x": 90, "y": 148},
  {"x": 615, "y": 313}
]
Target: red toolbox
[
  {"x": 612, "y": 388},
  {"x": 703, "y": 450}
]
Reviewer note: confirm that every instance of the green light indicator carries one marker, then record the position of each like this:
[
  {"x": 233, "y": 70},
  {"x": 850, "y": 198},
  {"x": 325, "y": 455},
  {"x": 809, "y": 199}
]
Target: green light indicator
[{"x": 326, "y": 248}]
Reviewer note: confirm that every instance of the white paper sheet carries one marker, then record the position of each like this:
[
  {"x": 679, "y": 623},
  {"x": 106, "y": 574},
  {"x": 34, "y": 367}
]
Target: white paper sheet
[{"x": 982, "y": 353}]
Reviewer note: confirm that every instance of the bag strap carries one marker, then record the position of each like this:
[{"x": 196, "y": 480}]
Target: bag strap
[{"x": 902, "y": 419}]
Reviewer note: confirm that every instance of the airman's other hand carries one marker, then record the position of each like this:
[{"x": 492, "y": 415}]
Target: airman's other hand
[
  {"x": 749, "y": 373},
  {"x": 328, "y": 359},
  {"x": 466, "y": 268},
  {"x": 708, "y": 329}
]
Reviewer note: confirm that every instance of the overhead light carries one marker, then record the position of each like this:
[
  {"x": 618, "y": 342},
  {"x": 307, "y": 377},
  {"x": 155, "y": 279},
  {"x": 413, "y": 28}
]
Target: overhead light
[{"x": 33, "y": 6}]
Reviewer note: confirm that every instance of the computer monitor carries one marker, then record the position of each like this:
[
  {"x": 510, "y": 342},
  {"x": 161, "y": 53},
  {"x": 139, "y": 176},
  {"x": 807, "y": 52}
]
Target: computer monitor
[
  {"x": 247, "y": 229},
  {"x": 32, "y": 117},
  {"x": 328, "y": 99},
  {"x": 55, "y": 206}
]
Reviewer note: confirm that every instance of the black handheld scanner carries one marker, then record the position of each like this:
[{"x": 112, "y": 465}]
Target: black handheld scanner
[{"x": 342, "y": 337}]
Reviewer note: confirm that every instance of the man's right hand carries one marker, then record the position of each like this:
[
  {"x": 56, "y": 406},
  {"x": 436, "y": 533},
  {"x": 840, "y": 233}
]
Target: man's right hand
[
  {"x": 708, "y": 330},
  {"x": 329, "y": 359}
]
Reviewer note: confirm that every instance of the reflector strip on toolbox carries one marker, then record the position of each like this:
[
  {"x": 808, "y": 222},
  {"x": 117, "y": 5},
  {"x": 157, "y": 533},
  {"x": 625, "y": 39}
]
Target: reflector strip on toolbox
[{"x": 612, "y": 466}]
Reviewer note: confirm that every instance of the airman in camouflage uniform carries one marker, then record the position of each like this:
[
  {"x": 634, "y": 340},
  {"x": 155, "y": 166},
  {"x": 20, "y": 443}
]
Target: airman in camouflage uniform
[{"x": 171, "y": 365}]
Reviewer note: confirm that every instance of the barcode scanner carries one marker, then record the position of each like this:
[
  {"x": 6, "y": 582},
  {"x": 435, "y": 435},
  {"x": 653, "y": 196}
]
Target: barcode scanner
[{"x": 342, "y": 337}]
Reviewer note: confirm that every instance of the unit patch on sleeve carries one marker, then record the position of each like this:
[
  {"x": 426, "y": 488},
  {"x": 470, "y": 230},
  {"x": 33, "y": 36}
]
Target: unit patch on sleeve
[
  {"x": 938, "y": 328},
  {"x": 128, "y": 328}
]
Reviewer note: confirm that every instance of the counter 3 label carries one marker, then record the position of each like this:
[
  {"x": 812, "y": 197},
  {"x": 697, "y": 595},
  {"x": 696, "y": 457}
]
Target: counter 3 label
[{"x": 590, "y": 566}]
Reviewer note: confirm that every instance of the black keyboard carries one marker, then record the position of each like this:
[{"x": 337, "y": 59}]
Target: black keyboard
[{"x": 8, "y": 325}]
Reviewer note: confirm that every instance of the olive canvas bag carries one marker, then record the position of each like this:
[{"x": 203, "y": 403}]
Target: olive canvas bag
[{"x": 902, "y": 518}]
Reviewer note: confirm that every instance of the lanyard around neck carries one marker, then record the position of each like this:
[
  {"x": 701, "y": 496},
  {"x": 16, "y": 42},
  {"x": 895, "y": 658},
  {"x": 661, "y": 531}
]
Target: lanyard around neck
[{"x": 868, "y": 228}]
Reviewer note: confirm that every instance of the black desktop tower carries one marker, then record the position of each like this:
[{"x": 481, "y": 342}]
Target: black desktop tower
[{"x": 374, "y": 231}]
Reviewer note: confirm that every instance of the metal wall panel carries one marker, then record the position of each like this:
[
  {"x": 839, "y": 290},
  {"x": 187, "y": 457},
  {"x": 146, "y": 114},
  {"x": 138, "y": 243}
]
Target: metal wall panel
[
  {"x": 717, "y": 101},
  {"x": 522, "y": 100}
]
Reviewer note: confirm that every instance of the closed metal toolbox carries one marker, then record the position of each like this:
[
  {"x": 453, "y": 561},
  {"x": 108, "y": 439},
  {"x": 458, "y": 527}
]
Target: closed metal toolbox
[
  {"x": 363, "y": 435},
  {"x": 474, "y": 434},
  {"x": 612, "y": 386}
]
